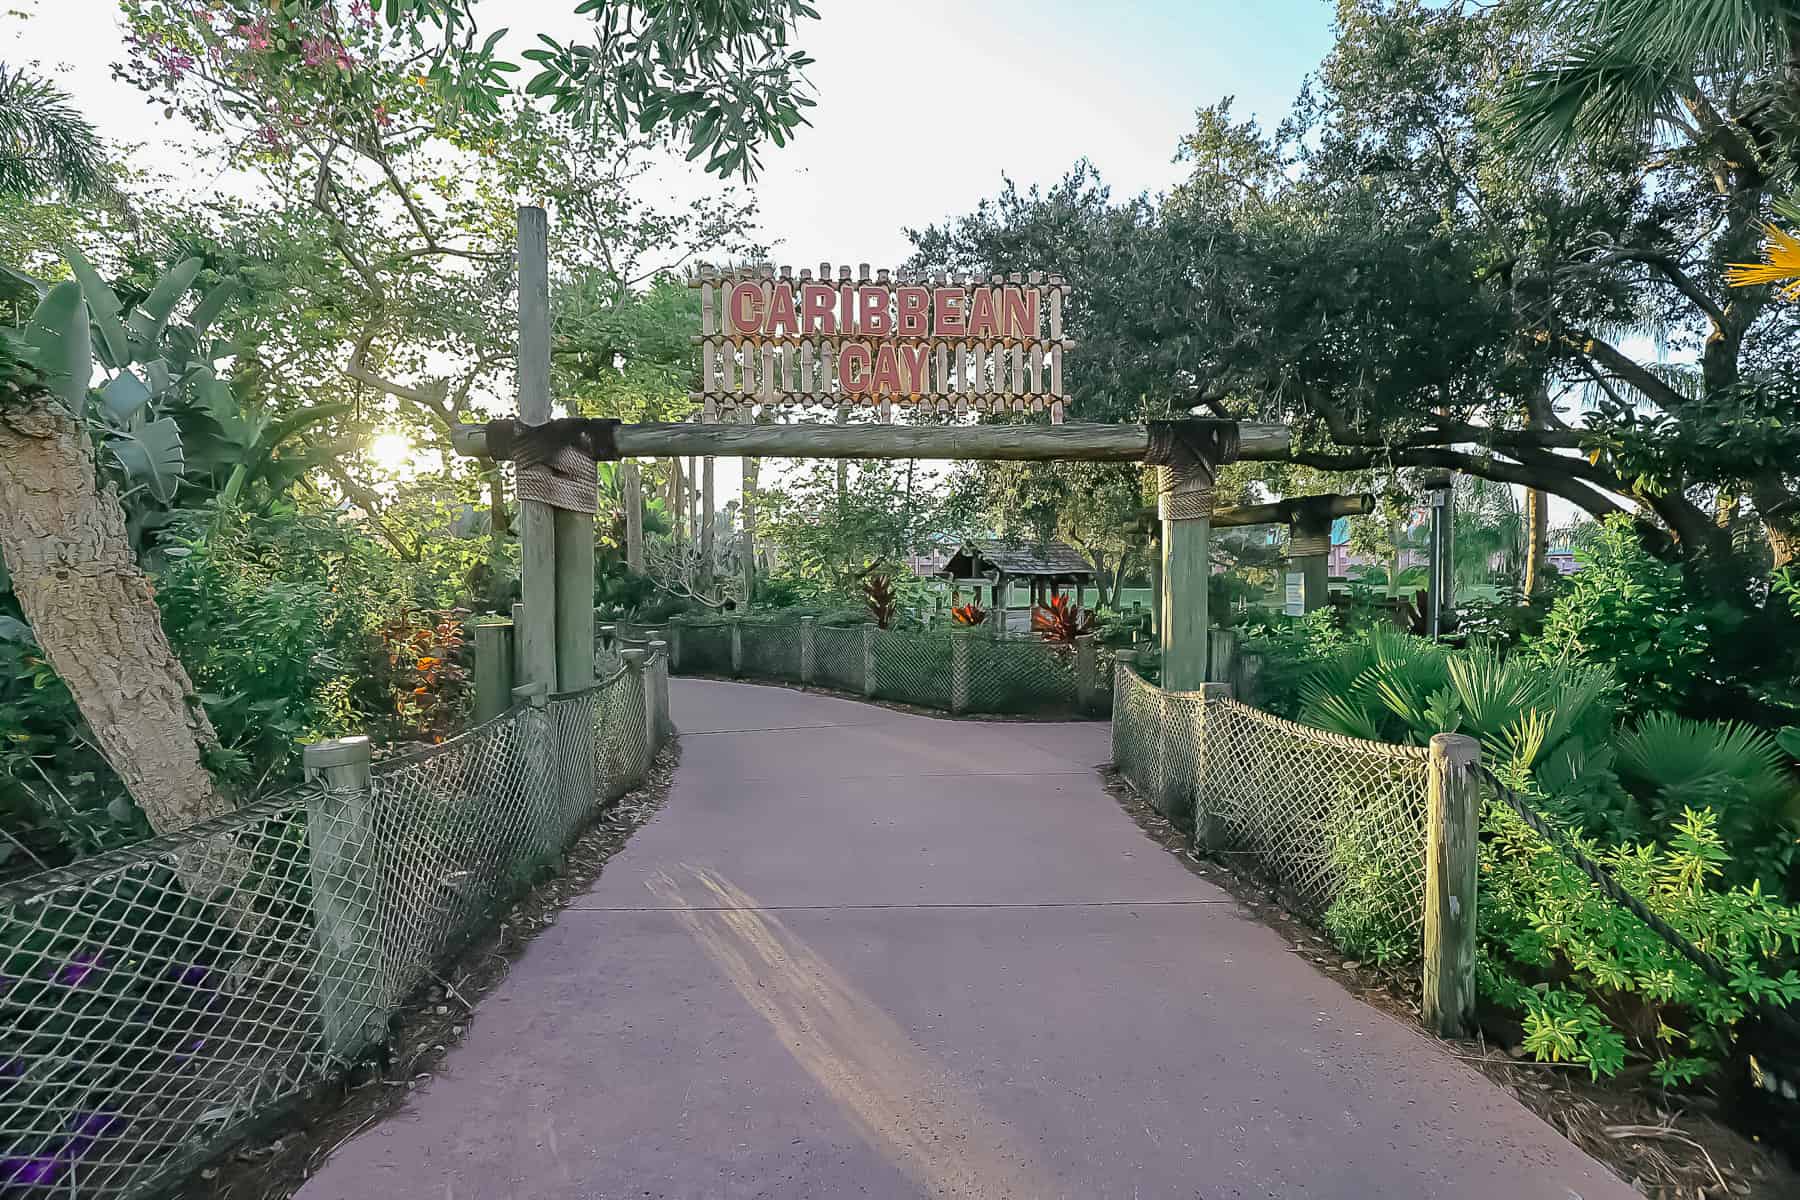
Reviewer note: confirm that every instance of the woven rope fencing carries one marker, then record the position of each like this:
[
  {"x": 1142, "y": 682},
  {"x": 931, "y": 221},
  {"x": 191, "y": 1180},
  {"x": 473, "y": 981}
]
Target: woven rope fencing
[
  {"x": 771, "y": 651},
  {"x": 1335, "y": 823},
  {"x": 156, "y": 1000},
  {"x": 916, "y": 667},
  {"x": 838, "y": 659},
  {"x": 913, "y": 668},
  {"x": 1020, "y": 676}
]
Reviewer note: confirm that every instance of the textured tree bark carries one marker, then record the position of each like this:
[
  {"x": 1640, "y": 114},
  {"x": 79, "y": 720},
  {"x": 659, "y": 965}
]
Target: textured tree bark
[
  {"x": 747, "y": 510},
  {"x": 1537, "y": 540},
  {"x": 94, "y": 614}
]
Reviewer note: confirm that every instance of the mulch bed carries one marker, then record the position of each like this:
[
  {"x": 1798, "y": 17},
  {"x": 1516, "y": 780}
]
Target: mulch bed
[
  {"x": 290, "y": 1148},
  {"x": 1669, "y": 1146}
]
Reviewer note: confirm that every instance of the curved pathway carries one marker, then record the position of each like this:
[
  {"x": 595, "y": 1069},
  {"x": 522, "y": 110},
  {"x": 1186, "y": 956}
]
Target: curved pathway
[{"x": 860, "y": 953}]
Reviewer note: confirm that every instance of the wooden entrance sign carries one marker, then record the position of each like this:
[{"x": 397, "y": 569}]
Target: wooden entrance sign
[{"x": 936, "y": 343}]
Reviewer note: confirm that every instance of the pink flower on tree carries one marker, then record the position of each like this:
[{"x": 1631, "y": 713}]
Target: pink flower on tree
[{"x": 256, "y": 37}]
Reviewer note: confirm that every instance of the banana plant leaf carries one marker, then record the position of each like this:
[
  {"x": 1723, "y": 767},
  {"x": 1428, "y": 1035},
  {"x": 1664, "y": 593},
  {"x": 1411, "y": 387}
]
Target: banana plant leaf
[
  {"x": 152, "y": 457},
  {"x": 58, "y": 343},
  {"x": 124, "y": 396},
  {"x": 103, "y": 309},
  {"x": 152, "y": 316}
]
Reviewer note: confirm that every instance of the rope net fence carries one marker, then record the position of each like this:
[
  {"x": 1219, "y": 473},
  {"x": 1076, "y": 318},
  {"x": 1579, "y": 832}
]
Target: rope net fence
[
  {"x": 1336, "y": 824},
  {"x": 950, "y": 670},
  {"x": 156, "y": 1000}
]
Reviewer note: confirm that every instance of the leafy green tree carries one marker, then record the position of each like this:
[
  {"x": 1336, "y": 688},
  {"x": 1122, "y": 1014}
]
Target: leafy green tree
[{"x": 832, "y": 544}]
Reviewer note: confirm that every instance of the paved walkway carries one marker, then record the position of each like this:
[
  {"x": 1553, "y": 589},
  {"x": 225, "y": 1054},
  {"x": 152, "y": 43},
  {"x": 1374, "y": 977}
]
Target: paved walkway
[{"x": 866, "y": 954}]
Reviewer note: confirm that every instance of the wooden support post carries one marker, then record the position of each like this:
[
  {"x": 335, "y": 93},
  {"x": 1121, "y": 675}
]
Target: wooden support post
[
  {"x": 1186, "y": 513},
  {"x": 675, "y": 649},
  {"x": 659, "y": 688},
  {"x": 493, "y": 669},
  {"x": 1156, "y": 591},
  {"x": 737, "y": 647},
  {"x": 1124, "y": 665},
  {"x": 999, "y": 605},
  {"x": 537, "y": 521},
  {"x": 1209, "y": 822},
  {"x": 1222, "y": 651},
  {"x": 1087, "y": 670},
  {"x": 631, "y": 487},
  {"x": 1309, "y": 556},
  {"x": 1451, "y": 833},
  {"x": 518, "y": 644},
  {"x": 809, "y": 648},
  {"x": 869, "y": 660},
  {"x": 959, "y": 671},
  {"x": 343, "y": 870},
  {"x": 574, "y": 600},
  {"x": 708, "y": 527}
]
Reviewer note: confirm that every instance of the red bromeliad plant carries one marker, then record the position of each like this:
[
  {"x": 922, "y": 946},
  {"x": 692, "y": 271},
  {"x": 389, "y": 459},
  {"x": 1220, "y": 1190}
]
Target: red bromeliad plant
[
  {"x": 879, "y": 591},
  {"x": 1061, "y": 621},
  {"x": 970, "y": 614}
]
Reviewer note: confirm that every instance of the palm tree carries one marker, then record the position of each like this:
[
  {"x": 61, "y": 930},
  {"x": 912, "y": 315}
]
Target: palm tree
[
  {"x": 1635, "y": 64},
  {"x": 46, "y": 146}
]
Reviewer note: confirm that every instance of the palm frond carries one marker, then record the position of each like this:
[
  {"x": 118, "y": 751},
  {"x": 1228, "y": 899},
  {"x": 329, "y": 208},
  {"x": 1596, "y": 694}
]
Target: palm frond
[
  {"x": 45, "y": 143},
  {"x": 1593, "y": 92}
]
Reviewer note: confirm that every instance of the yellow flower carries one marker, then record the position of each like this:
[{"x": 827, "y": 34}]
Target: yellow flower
[{"x": 1781, "y": 264}]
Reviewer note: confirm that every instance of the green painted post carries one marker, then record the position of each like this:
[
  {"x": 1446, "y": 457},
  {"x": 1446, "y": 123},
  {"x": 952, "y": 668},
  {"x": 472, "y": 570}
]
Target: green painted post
[
  {"x": 809, "y": 648},
  {"x": 1087, "y": 671},
  {"x": 869, "y": 660},
  {"x": 1186, "y": 510},
  {"x": 1451, "y": 832},
  {"x": 493, "y": 669},
  {"x": 518, "y": 644},
  {"x": 959, "y": 671},
  {"x": 342, "y": 868}
]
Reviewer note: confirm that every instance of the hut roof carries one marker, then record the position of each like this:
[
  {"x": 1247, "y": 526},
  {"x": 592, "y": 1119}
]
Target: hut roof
[{"x": 1052, "y": 560}]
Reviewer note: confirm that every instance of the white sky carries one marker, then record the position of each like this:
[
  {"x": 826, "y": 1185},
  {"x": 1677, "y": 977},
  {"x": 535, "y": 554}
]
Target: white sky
[{"x": 923, "y": 105}]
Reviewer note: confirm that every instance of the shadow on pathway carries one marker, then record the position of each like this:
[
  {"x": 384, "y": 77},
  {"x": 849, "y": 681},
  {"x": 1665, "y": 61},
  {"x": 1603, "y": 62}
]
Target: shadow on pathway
[{"x": 861, "y": 953}]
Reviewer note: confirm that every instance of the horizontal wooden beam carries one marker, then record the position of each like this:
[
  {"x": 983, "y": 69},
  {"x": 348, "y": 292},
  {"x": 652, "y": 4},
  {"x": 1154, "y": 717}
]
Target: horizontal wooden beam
[
  {"x": 1278, "y": 512},
  {"x": 1281, "y": 512},
  {"x": 1017, "y": 443}
]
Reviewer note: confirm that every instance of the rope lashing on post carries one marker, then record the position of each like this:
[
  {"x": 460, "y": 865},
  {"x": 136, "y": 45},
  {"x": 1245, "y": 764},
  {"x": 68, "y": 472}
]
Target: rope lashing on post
[
  {"x": 555, "y": 460},
  {"x": 1188, "y": 451},
  {"x": 1308, "y": 544}
]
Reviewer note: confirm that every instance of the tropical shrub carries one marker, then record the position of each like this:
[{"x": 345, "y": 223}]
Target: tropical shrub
[
  {"x": 878, "y": 592},
  {"x": 1640, "y": 617},
  {"x": 1061, "y": 621}
]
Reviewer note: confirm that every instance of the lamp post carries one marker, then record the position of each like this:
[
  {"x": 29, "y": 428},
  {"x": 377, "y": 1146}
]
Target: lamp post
[{"x": 1440, "y": 586}]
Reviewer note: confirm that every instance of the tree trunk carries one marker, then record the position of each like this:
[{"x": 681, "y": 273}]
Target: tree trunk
[
  {"x": 747, "y": 510},
  {"x": 94, "y": 613},
  {"x": 1118, "y": 585},
  {"x": 1537, "y": 540}
]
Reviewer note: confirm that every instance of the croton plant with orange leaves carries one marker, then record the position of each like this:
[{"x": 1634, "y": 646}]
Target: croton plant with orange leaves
[{"x": 1061, "y": 621}]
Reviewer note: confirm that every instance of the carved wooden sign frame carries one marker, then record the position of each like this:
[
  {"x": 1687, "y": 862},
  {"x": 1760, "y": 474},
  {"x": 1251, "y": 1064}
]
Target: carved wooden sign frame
[{"x": 937, "y": 343}]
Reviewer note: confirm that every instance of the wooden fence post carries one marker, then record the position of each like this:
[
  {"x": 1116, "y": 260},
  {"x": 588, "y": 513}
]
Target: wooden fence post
[
  {"x": 341, "y": 865},
  {"x": 493, "y": 669},
  {"x": 632, "y": 487},
  {"x": 868, "y": 660},
  {"x": 1209, "y": 824},
  {"x": 737, "y": 647},
  {"x": 635, "y": 661},
  {"x": 1186, "y": 503},
  {"x": 1451, "y": 833},
  {"x": 675, "y": 648},
  {"x": 1087, "y": 671},
  {"x": 959, "y": 671},
  {"x": 1124, "y": 665},
  {"x": 660, "y": 722},
  {"x": 1224, "y": 654},
  {"x": 809, "y": 649},
  {"x": 518, "y": 644}
]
